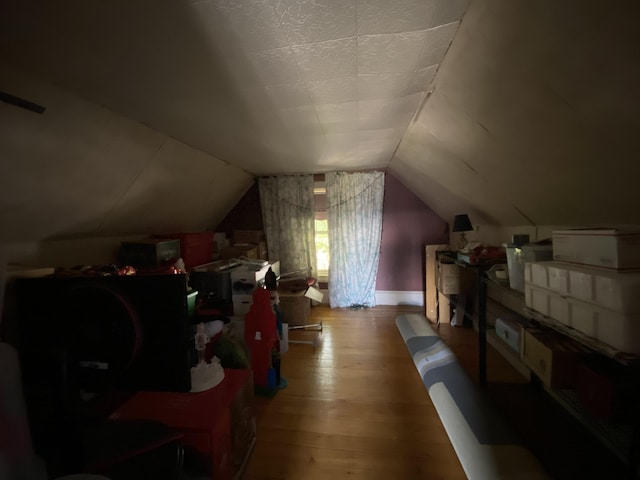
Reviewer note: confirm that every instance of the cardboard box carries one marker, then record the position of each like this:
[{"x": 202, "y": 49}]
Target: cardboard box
[
  {"x": 295, "y": 307},
  {"x": 617, "y": 248},
  {"x": 237, "y": 251},
  {"x": 430, "y": 280},
  {"x": 551, "y": 356},
  {"x": 248, "y": 236},
  {"x": 247, "y": 278},
  {"x": 444, "y": 308},
  {"x": 262, "y": 250},
  {"x": 453, "y": 279}
]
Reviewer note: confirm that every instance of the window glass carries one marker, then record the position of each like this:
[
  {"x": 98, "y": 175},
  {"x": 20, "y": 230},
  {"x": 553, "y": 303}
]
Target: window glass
[{"x": 322, "y": 246}]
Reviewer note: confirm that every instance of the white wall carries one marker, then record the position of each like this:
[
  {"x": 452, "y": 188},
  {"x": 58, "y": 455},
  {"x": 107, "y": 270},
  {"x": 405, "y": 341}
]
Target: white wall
[
  {"x": 80, "y": 171},
  {"x": 64, "y": 253}
]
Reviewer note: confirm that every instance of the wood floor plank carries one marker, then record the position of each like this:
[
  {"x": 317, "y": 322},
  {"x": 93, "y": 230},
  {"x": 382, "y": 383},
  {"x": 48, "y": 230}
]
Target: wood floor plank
[
  {"x": 355, "y": 407},
  {"x": 308, "y": 462},
  {"x": 416, "y": 443}
]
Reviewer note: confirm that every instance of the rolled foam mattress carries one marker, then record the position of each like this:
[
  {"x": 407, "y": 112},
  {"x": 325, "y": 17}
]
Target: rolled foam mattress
[{"x": 486, "y": 446}]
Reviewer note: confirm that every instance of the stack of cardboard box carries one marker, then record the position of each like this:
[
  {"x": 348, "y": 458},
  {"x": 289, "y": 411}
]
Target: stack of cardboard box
[{"x": 246, "y": 243}]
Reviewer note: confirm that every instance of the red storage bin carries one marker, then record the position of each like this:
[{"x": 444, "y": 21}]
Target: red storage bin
[
  {"x": 607, "y": 390},
  {"x": 218, "y": 425},
  {"x": 196, "y": 248}
]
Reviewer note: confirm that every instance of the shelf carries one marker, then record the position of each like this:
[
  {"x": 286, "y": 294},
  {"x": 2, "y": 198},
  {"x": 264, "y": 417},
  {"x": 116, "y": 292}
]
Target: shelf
[
  {"x": 503, "y": 294},
  {"x": 508, "y": 353},
  {"x": 496, "y": 300},
  {"x": 623, "y": 358},
  {"x": 617, "y": 438}
]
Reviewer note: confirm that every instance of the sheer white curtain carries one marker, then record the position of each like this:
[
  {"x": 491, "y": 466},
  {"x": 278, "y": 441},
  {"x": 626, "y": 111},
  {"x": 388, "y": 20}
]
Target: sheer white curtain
[
  {"x": 355, "y": 227},
  {"x": 288, "y": 217}
]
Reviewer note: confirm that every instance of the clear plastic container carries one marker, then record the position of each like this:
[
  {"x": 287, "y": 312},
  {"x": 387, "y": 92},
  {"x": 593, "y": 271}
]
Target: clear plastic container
[{"x": 515, "y": 263}]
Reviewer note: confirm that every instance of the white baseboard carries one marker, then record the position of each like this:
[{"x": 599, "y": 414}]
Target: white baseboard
[{"x": 388, "y": 297}]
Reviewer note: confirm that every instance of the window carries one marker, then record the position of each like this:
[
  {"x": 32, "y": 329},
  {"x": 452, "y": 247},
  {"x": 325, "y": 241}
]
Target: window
[
  {"x": 322, "y": 247},
  {"x": 321, "y": 228}
]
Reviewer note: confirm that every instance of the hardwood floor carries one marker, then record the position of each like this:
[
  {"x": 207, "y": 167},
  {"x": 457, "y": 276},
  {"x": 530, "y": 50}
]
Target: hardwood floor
[{"x": 355, "y": 407}]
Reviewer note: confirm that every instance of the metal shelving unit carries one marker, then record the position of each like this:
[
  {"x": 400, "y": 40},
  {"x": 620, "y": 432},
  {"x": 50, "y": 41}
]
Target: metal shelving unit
[
  {"x": 505, "y": 350},
  {"x": 618, "y": 438},
  {"x": 623, "y": 440}
]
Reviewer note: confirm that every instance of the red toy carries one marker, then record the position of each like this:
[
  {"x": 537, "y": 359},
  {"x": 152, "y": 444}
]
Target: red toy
[{"x": 261, "y": 335}]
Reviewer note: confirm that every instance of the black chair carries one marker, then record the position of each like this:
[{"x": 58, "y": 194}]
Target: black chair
[{"x": 57, "y": 433}]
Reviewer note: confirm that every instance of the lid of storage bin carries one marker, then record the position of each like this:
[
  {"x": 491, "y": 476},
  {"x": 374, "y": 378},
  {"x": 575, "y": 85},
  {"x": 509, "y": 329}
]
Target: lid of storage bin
[
  {"x": 534, "y": 246},
  {"x": 613, "y": 230}
]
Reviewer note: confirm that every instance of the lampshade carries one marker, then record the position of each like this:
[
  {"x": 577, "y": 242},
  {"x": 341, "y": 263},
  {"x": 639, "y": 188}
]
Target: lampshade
[{"x": 461, "y": 223}]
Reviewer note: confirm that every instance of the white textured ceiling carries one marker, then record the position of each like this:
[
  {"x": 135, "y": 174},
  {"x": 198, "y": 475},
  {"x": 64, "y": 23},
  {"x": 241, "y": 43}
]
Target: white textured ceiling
[
  {"x": 280, "y": 86},
  {"x": 533, "y": 119},
  {"x": 531, "y": 116}
]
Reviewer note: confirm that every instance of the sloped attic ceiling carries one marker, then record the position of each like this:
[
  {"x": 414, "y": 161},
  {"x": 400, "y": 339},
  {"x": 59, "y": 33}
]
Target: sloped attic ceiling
[
  {"x": 270, "y": 86},
  {"x": 533, "y": 117},
  {"x": 530, "y": 117}
]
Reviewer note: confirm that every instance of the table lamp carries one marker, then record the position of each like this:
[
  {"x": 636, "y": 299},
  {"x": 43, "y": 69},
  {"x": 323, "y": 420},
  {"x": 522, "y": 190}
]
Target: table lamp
[{"x": 461, "y": 224}]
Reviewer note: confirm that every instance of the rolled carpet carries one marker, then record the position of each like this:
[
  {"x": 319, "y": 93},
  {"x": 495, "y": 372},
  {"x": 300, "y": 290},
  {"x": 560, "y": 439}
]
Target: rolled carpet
[{"x": 487, "y": 447}]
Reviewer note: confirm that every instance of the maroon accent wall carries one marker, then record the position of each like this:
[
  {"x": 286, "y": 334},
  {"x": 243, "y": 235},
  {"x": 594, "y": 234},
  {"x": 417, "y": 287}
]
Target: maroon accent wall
[
  {"x": 245, "y": 215},
  {"x": 407, "y": 226}
]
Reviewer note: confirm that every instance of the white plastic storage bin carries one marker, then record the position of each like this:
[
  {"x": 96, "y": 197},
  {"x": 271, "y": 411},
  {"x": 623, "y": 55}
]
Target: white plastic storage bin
[
  {"x": 608, "y": 289},
  {"x": 241, "y": 304},
  {"x": 245, "y": 279},
  {"x": 453, "y": 279},
  {"x": 510, "y": 333},
  {"x": 550, "y": 275},
  {"x": 619, "y": 330},
  {"x": 616, "y": 248},
  {"x": 548, "y": 303}
]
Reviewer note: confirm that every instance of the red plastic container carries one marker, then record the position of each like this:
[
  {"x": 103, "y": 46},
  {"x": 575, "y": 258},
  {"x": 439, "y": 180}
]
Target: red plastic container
[
  {"x": 218, "y": 425},
  {"x": 606, "y": 389},
  {"x": 261, "y": 335},
  {"x": 196, "y": 248}
]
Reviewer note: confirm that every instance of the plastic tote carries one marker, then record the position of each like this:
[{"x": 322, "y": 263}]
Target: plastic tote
[{"x": 515, "y": 263}]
